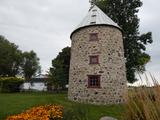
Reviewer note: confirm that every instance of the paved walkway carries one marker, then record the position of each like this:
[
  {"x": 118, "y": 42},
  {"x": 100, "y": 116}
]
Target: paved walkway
[{"x": 107, "y": 118}]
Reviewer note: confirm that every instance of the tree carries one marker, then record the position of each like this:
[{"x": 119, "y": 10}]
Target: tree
[
  {"x": 59, "y": 72},
  {"x": 124, "y": 12},
  {"x": 10, "y": 58},
  {"x": 30, "y": 64}
]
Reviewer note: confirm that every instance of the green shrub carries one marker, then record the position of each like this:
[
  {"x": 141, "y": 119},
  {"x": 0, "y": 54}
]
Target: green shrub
[{"x": 10, "y": 84}]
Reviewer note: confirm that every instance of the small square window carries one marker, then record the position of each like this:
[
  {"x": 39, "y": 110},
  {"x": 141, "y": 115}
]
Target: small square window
[
  {"x": 94, "y": 59},
  {"x": 93, "y": 81},
  {"x": 93, "y": 36},
  {"x": 94, "y": 10},
  {"x": 92, "y": 23},
  {"x": 93, "y": 15}
]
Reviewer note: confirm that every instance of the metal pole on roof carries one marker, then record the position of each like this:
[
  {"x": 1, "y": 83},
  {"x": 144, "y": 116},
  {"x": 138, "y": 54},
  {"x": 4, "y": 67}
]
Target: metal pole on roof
[{"x": 92, "y": 2}]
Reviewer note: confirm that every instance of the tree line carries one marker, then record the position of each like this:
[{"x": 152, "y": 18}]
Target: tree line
[{"x": 14, "y": 62}]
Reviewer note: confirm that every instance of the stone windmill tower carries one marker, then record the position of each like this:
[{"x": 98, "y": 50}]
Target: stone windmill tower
[{"x": 97, "y": 66}]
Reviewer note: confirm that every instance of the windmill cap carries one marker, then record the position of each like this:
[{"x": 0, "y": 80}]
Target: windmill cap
[{"x": 96, "y": 17}]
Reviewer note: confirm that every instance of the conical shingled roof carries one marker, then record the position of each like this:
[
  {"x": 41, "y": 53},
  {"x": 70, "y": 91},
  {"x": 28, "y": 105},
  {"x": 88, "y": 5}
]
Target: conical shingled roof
[{"x": 94, "y": 17}]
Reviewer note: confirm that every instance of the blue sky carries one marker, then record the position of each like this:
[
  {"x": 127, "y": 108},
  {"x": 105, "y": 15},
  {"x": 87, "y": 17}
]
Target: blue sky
[{"x": 45, "y": 26}]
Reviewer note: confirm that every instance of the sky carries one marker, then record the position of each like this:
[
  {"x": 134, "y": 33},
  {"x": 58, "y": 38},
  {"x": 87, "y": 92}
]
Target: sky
[{"x": 45, "y": 26}]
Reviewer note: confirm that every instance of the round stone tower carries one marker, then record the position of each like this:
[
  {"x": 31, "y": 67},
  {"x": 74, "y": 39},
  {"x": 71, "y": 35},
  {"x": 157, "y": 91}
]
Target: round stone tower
[{"x": 97, "y": 67}]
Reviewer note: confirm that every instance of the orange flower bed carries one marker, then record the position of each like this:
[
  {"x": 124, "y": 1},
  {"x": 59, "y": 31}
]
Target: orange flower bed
[{"x": 47, "y": 112}]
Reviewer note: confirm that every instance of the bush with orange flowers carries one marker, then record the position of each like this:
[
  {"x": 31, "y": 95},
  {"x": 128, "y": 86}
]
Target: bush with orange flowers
[{"x": 47, "y": 112}]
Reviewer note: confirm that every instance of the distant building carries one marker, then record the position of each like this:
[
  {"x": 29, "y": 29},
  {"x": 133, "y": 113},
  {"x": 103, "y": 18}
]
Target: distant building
[
  {"x": 38, "y": 83},
  {"x": 97, "y": 67}
]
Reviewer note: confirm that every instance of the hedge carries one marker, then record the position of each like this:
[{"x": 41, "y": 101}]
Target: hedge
[{"x": 10, "y": 84}]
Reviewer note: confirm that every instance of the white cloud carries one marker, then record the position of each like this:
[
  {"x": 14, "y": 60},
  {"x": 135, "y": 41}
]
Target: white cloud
[
  {"x": 45, "y": 25},
  {"x": 149, "y": 21}
]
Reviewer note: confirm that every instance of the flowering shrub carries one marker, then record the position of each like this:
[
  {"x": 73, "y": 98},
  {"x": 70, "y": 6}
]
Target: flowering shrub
[{"x": 47, "y": 112}]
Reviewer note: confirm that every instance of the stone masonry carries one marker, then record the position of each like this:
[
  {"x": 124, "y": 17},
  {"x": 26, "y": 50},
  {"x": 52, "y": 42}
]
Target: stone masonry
[{"x": 111, "y": 67}]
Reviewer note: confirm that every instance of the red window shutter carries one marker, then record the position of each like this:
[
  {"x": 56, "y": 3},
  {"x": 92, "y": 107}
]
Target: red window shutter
[
  {"x": 94, "y": 59},
  {"x": 93, "y": 36}
]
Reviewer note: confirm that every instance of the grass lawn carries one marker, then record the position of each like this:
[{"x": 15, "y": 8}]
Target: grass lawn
[{"x": 18, "y": 102}]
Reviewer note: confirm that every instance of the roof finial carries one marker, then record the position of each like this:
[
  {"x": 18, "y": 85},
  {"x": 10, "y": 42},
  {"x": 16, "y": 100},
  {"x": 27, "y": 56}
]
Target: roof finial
[{"x": 93, "y": 2}]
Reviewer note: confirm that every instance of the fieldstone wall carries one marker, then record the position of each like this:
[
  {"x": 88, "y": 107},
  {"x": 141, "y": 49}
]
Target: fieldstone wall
[{"x": 111, "y": 66}]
